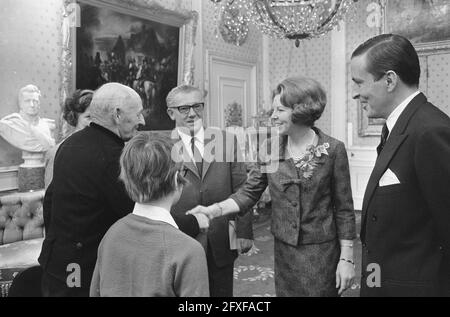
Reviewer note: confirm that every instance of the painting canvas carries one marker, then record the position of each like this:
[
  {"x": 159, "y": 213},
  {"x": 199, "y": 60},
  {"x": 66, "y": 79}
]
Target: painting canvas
[
  {"x": 425, "y": 22},
  {"x": 113, "y": 46}
]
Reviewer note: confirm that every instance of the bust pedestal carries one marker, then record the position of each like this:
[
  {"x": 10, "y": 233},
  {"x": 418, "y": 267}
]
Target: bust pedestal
[{"x": 31, "y": 172}]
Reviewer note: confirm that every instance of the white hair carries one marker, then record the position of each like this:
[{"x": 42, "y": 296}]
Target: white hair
[
  {"x": 109, "y": 97},
  {"x": 183, "y": 89}
]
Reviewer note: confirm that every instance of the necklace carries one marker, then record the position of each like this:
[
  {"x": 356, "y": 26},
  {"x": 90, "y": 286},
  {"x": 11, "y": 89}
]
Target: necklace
[{"x": 302, "y": 149}]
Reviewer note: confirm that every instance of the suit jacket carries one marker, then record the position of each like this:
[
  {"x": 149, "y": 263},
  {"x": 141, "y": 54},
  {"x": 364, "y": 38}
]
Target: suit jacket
[
  {"x": 83, "y": 200},
  {"x": 223, "y": 172},
  {"x": 406, "y": 227},
  {"x": 305, "y": 210}
]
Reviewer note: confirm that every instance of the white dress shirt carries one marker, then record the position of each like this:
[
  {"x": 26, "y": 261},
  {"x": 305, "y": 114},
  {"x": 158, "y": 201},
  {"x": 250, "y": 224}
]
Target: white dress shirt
[
  {"x": 154, "y": 213},
  {"x": 393, "y": 117},
  {"x": 199, "y": 142}
]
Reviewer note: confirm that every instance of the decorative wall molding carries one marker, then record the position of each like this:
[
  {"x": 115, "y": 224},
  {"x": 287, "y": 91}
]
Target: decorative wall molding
[
  {"x": 361, "y": 160},
  {"x": 212, "y": 58},
  {"x": 338, "y": 98},
  {"x": 8, "y": 179}
]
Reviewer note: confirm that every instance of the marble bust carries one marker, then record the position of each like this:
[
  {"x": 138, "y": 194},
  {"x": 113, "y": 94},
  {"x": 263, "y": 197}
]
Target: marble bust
[{"x": 26, "y": 130}]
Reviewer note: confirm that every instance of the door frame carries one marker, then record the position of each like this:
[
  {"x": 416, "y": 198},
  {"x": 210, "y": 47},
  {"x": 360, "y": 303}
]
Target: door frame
[{"x": 213, "y": 57}]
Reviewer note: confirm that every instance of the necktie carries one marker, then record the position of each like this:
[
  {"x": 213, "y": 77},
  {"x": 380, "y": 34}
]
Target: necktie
[
  {"x": 197, "y": 156},
  {"x": 384, "y": 136}
]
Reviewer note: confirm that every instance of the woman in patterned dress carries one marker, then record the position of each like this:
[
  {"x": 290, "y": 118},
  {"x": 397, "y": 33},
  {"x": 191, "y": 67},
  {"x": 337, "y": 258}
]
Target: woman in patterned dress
[{"x": 307, "y": 172}]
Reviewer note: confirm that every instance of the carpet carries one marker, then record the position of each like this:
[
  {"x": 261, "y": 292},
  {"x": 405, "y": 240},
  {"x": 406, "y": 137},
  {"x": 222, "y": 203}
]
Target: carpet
[{"x": 253, "y": 272}]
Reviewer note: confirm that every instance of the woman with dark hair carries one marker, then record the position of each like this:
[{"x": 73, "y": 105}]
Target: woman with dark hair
[
  {"x": 307, "y": 173},
  {"x": 77, "y": 116},
  {"x": 144, "y": 253},
  {"x": 76, "y": 109}
]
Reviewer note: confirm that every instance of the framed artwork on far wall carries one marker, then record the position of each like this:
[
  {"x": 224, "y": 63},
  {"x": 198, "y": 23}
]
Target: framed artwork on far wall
[
  {"x": 368, "y": 126},
  {"x": 426, "y": 23},
  {"x": 136, "y": 43}
]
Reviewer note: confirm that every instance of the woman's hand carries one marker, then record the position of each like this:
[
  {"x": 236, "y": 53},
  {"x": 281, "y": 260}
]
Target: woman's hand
[
  {"x": 211, "y": 211},
  {"x": 345, "y": 274}
]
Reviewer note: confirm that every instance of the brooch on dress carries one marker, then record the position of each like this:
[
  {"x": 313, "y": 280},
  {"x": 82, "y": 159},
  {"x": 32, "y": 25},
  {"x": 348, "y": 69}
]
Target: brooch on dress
[{"x": 308, "y": 162}]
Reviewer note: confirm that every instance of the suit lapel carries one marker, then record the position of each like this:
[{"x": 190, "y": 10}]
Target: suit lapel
[
  {"x": 395, "y": 139},
  {"x": 381, "y": 164},
  {"x": 211, "y": 157},
  {"x": 183, "y": 154},
  {"x": 206, "y": 165}
]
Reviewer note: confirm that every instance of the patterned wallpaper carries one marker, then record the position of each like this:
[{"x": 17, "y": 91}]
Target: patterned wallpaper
[
  {"x": 434, "y": 81},
  {"x": 250, "y": 51},
  {"x": 439, "y": 81},
  {"x": 29, "y": 53},
  {"x": 311, "y": 59}
]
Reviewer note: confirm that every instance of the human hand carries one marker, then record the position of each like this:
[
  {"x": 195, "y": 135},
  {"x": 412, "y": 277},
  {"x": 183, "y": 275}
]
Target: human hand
[
  {"x": 203, "y": 221},
  {"x": 211, "y": 211},
  {"x": 345, "y": 274},
  {"x": 245, "y": 245}
]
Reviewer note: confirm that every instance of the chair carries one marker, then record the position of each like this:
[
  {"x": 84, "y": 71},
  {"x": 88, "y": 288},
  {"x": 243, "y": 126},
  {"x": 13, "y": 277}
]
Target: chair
[
  {"x": 27, "y": 283},
  {"x": 21, "y": 235}
]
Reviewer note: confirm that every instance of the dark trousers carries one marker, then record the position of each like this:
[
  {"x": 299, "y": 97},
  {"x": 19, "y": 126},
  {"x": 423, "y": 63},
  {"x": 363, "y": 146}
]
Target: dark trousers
[
  {"x": 53, "y": 287},
  {"x": 220, "y": 278}
]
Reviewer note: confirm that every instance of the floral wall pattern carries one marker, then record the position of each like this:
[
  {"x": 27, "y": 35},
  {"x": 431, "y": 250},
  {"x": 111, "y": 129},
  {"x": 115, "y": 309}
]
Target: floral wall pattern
[
  {"x": 311, "y": 59},
  {"x": 30, "y": 42}
]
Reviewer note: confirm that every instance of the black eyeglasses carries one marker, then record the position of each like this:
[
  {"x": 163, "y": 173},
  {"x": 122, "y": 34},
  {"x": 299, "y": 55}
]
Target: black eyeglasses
[{"x": 184, "y": 109}]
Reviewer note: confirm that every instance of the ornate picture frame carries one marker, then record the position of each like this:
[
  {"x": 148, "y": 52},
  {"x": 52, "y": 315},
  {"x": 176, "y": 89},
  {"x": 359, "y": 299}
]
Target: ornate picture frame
[
  {"x": 426, "y": 23},
  {"x": 150, "y": 17},
  {"x": 368, "y": 127}
]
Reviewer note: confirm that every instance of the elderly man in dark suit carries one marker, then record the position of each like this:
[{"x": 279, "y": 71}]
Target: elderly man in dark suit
[
  {"x": 211, "y": 178},
  {"x": 85, "y": 196},
  {"x": 405, "y": 227}
]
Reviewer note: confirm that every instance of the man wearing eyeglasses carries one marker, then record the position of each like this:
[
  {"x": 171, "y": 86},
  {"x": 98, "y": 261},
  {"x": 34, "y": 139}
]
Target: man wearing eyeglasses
[{"x": 209, "y": 181}]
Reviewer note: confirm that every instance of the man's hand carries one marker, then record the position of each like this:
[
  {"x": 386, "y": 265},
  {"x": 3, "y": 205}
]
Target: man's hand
[
  {"x": 203, "y": 221},
  {"x": 245, "y": 245}
]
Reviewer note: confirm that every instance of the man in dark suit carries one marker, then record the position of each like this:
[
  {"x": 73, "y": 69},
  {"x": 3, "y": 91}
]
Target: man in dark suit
[
  {"x": 213, "y": 171},
  {"x": 85, "y": 196},
  {"x": 405, "y": 229}
]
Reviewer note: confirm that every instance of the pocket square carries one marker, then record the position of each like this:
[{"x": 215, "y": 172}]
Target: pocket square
[{"x": 388, "y": 178}]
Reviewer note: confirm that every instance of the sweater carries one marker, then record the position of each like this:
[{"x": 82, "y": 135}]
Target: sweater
[{"x": 143, "y": 257}]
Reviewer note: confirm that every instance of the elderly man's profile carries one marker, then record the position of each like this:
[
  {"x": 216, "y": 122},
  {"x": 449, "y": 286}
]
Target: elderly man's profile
[{"x": 26, "y": 130}]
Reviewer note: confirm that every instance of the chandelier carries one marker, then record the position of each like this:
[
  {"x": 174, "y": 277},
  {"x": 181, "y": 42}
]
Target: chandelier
[
  {"x": 290, "y": 19},
  {"x": 232, "y": 24}
]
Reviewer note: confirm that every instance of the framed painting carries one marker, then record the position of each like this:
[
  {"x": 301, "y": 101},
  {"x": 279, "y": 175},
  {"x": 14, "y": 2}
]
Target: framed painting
[
  {"x": 367, "y": 126},
  {"x": 137, "y": 43},
  {"x": 426, "y": 23}
]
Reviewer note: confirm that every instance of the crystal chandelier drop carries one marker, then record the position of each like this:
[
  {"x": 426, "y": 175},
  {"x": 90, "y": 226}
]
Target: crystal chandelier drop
[
  {"x": 232, "y": 22},
  {"x": 293, "y": 19}
]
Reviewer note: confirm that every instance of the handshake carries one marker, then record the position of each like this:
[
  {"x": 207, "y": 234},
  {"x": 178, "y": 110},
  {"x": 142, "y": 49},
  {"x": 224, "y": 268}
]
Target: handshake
[{"x": 204, "y": 215}]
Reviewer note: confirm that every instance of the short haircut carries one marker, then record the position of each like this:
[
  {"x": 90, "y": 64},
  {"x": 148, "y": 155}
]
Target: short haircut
[
  {"x": 147, "y": 169},
  {"x": 391, "y": 52},
  {"x": 76, "y": 105},
  {"x": 182, "y": 89},
  {"x": 304, "y": 96},
  {"x": 109, "y": 97},
  {"x": 29, "y": 89}
]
